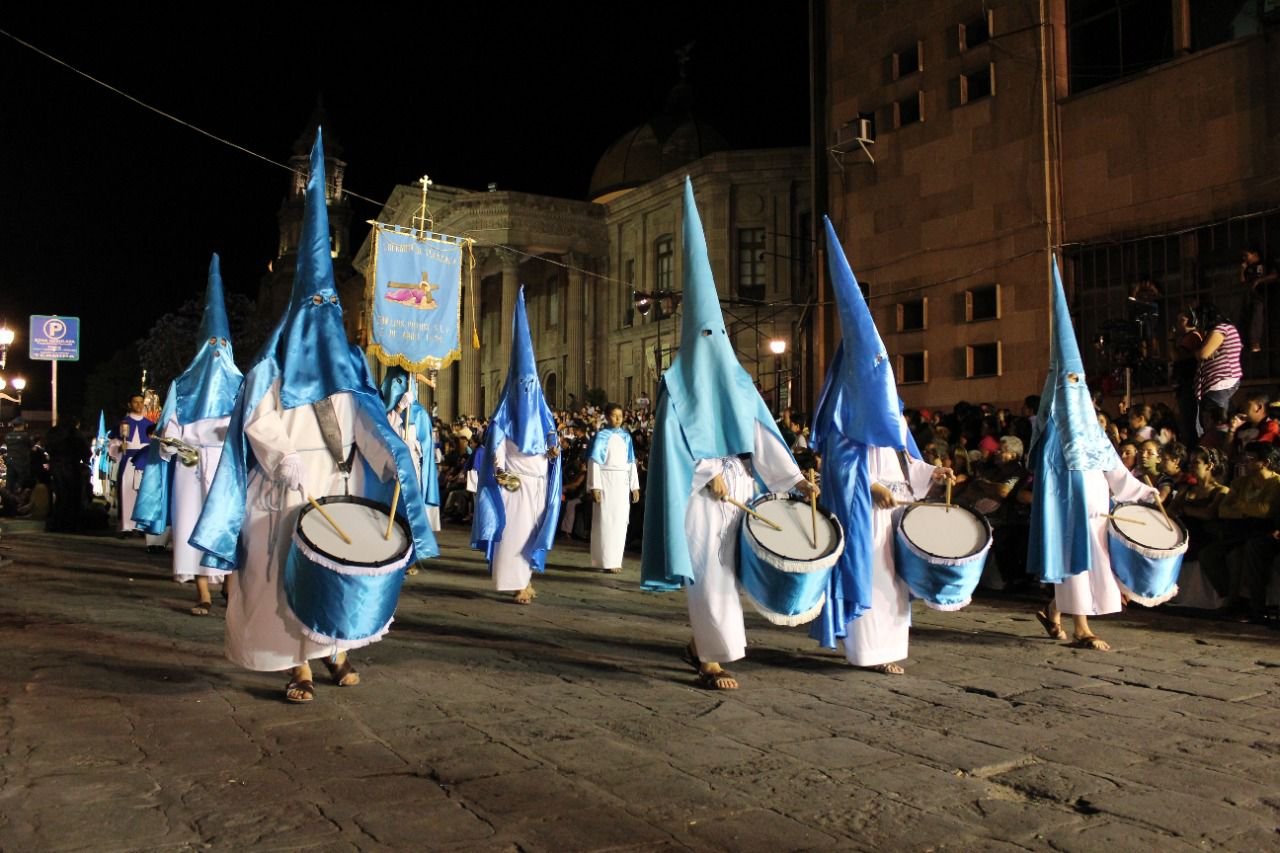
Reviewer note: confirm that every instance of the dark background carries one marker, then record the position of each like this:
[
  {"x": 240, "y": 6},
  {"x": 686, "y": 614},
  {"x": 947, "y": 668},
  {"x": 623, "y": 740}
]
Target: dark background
[{"x": 110, "y": 211}]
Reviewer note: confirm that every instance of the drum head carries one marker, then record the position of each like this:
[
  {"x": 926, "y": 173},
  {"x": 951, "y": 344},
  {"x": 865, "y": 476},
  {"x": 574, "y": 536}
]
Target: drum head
[
  {"x": 951, "y": 533},
  {"x": 795, "y": 540},
  {"x": 364, "y": 521},
  {"x": 1145, "y": 526}
]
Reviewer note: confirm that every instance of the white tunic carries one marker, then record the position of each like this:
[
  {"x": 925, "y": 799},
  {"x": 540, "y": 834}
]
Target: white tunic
[
  {"x": 711, "y": 528},
  {"x": 130, "y": 480},
  {"x": 1096, "y": 592},
  {"x": 190, "y": 488},
  {"x": 524, "y": 509},
  {"x": 880, "y": 634},
  {"x": 616, "y": 479},
  {"x": 262, "y": 632}
]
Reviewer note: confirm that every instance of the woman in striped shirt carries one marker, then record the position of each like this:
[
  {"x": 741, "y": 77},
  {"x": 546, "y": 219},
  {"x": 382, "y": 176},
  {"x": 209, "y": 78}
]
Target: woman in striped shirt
[{"x": 1219, "y": 374}]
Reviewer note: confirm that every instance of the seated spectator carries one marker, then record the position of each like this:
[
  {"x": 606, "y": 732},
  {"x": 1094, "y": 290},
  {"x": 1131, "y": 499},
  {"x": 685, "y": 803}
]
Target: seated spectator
[
  {"x": 1248, "y": 510},
  {"x": 1149, "y": 461},
  {"x": 1253, "y": 424},
  {"x": 1171, "y": 479},
  {"x": 1129, "y": 455},
  {"x": 1139, "y": 416},
  {"x": 1216, "y": 426},
  {"x": 1197, "y": 505}
]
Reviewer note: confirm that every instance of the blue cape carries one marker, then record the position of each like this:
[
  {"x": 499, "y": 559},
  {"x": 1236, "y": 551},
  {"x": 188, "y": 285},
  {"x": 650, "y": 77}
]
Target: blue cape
[
  {"x": 524, "y": 417},
  {"x": 308, "y": 353},
  {"x": 151, "y": 510},
  {"x": 707, "y": 408},
  {"x": 600, "y": 444},
  {"x": 858, "y": 409}
]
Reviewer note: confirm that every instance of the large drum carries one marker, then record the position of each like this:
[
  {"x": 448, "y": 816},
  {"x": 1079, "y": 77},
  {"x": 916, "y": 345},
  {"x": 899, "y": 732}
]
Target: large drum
[
  {"x": 785, "y": 572},
  {"x": 346, "y": 594},
  {"x": 940, "y": 551},
  {"x": 1146, "y": 552}
]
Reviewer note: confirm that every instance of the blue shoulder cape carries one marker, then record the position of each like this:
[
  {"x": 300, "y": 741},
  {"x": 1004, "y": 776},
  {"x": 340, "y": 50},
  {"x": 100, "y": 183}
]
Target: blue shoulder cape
[
  {"x": 151, "y": 510},
  {"x": 600, "y": 444}
]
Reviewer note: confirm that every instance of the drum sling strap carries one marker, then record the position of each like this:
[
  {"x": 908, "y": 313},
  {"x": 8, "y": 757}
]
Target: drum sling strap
[
  {"x": 902, "y": 463},
  {"x": 332, "y": 434}
]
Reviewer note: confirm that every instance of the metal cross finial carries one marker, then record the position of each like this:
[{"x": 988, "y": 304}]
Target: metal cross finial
[{"x": 422, "y": 221}]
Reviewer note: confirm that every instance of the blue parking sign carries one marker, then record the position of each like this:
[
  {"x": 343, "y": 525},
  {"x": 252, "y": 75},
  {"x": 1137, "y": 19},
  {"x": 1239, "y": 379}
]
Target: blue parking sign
[{"x": 54, "y": 338}]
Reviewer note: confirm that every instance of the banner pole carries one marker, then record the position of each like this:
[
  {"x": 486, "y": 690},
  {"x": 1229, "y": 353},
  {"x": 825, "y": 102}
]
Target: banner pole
[{"x": 54, "y": 368}]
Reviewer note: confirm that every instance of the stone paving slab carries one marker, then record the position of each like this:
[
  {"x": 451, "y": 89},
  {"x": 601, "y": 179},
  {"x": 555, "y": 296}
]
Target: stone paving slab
[{"x": 572, "y": 725}]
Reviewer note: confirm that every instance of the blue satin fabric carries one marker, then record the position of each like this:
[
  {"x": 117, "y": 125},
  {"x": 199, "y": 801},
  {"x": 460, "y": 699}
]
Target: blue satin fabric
[
  {"x": 1058, "y": 545},
  {"x": 707, "y": 408},
  {"x": 395, "y": 383},
  {"x": 207, "y": 388},
  {"x": 846, "y": 492},
  {"x": 104, "y": 460},
  {"x": 343, "y": 607},
  {"x": 524, "y": 417},
  {"x": 784, "y": 593},
  {"x": 309, "y": 354},
  {"x": 151, "y": 512},
  {"x": 600, "y": 444}
]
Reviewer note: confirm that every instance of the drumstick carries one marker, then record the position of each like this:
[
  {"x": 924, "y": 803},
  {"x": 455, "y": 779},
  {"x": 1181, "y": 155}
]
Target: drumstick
[
  {"x": 329, "y": 518},
  {"x": 391, "y": 520},
  {"x": 749, "y": 511},
  {"x": 1127, "y": 520},
  {"x": 1167, "y": 522},
  {"x": 813, "y": 510},
  {"x": 948, "y": 509}
]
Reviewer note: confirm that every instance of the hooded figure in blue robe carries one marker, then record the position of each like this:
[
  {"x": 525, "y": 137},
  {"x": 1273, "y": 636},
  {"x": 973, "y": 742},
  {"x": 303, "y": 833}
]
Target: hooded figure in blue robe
[
  {"x": 515, "y": 523},
  {"x": 101, "y": 459},
  {"x": 196, "y": 413},
  {"x": 410, "y": 419},
  {"x": 714, "y": 437},
  {"x": 308, "y": 423},
  {"x": 1076, "y": 473}
]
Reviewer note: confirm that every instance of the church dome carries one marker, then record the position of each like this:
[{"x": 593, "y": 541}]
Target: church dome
[{"x": 674, "y": 139}]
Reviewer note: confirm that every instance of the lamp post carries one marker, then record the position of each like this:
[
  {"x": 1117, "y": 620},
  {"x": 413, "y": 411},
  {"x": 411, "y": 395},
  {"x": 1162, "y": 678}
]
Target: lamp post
[
  {"x": 777, "y": 346},
  {"x": 6, "y": 340},
  {"x": 18, "y": 384}
]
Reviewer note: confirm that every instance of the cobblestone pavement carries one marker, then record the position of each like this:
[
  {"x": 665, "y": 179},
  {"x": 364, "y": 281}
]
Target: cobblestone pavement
[{"x": 573, "y": 725}]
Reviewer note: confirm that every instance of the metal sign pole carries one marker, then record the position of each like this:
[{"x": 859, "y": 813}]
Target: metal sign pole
[{"x": 54, "y": 419}]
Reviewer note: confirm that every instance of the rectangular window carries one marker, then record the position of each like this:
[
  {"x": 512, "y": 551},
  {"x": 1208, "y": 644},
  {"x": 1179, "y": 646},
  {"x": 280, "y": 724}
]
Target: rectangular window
[
  {"x": 909, "y": 110},
  {"x": 663, "y": 278},
  {"x": 629, "y": 306},
  {"x": 913, "y": 315},
  {"x": 975, "y": 32},
  {"x": 1218, "y": 21},
  {"x": 913, "y": 368},
  {"x": 908, "y": 60},
  {"x": 751, "y": 263},
  {"x": 1111, "y": 39},
  {"x": 982, "y": 303},
  {"x": 553, "y": 302},
  {"x": 983, "y": 360},
  {"x": 979, "y": 84}
]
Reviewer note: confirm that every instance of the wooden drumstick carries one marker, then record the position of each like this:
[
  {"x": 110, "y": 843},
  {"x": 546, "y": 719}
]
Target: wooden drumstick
[
  {"x": 948, "y": 509},
  {"x": 1127, "y": 520},
  {"x": 329, "y": 518},
  {"x": 813, "y": 510},
  {"x": 1168, "y": 523},
  {"x": 391, "y": 520},
  {"x": 749, "y": 511}
]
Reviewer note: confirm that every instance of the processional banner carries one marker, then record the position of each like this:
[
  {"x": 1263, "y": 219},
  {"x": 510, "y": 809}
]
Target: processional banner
[{"x": 417, "y": 298}]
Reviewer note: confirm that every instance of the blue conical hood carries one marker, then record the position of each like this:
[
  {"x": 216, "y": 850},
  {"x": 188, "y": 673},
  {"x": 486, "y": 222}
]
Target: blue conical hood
[
  {"x": 394, "y": 383},
  {"x": 523, "y": 415},
  {"x": 861, "y": 400},
  {"x": 315, "y": 359},
  {"x": 102, "y": 428},
  {"x": 207, "y": 388},
  {"x": 715, "y": 400},
  {"x": 1065, "y": 400}
]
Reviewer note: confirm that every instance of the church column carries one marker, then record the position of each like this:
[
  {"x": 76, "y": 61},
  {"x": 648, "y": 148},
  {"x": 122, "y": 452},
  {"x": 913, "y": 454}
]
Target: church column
[
  {"x": 575, "y": 323},
  {"x": 510, "y": 289}
]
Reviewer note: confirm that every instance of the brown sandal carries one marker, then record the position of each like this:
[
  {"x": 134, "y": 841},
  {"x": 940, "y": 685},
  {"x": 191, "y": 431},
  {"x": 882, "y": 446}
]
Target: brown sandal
[
  {"x": 711, "y": 680},
  {"x": 1053, "y": 629},
  {"x": 202, "y": 608},
  {"x": 1092, "y": 642},
  {"x": 305, "y": 687},
  {"x": 343, "y": 674}
]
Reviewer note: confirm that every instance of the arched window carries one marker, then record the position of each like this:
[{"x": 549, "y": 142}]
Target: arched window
[{"x": 550, "y": 391}]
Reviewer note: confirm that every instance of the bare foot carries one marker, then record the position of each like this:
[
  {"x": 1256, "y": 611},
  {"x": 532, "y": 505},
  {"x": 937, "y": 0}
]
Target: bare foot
[
  {"x": 1090, "y": 641},
  {"x": 712, "y": 677},
  {"x": 202, "y": 608},
  {"x": 885, "y": 669}
]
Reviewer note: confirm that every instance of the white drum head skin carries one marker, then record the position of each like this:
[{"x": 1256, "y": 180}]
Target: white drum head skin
[
  {"x": 365, "y": 525},
  {"x": 948, "y": 533},
  {"x": 795, "y": 540},
  {"x": 1145, "y": 525}
]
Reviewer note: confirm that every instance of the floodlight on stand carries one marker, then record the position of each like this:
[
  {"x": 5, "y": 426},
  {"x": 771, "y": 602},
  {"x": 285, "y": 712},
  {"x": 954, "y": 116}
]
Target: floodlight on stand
[{"x": 777, "y": 346}]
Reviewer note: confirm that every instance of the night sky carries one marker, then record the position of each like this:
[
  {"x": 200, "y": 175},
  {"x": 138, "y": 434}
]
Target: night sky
[{"x": 111, "y": 212}]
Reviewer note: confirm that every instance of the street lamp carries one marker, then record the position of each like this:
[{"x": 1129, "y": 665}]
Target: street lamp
[
  {"x": 18, "y": 384},
  {"x": 777, "y": 346},
  {"x": 6, "y": 339}
]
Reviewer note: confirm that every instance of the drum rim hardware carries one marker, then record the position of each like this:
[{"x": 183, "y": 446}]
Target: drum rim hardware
[
  {"x": 837, "y": 543},
  {"x": 359, "y": 501},
  {"x": 955, "y": 560},
  {"x": 1141, "y": 547}
]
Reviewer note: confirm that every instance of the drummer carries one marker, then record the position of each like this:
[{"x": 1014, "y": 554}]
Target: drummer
[
  {"x": 714, "y": 441},
  {"x": 1077, "y": 473},
  {"x": 302, "y": 427},
  {"x": 865, "y": 446}
]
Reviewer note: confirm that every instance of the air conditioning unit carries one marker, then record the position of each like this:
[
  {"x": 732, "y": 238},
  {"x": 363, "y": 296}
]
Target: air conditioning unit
[
  {"x": 862, "y": 130},
  {"x": 854, "y": 135}
]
